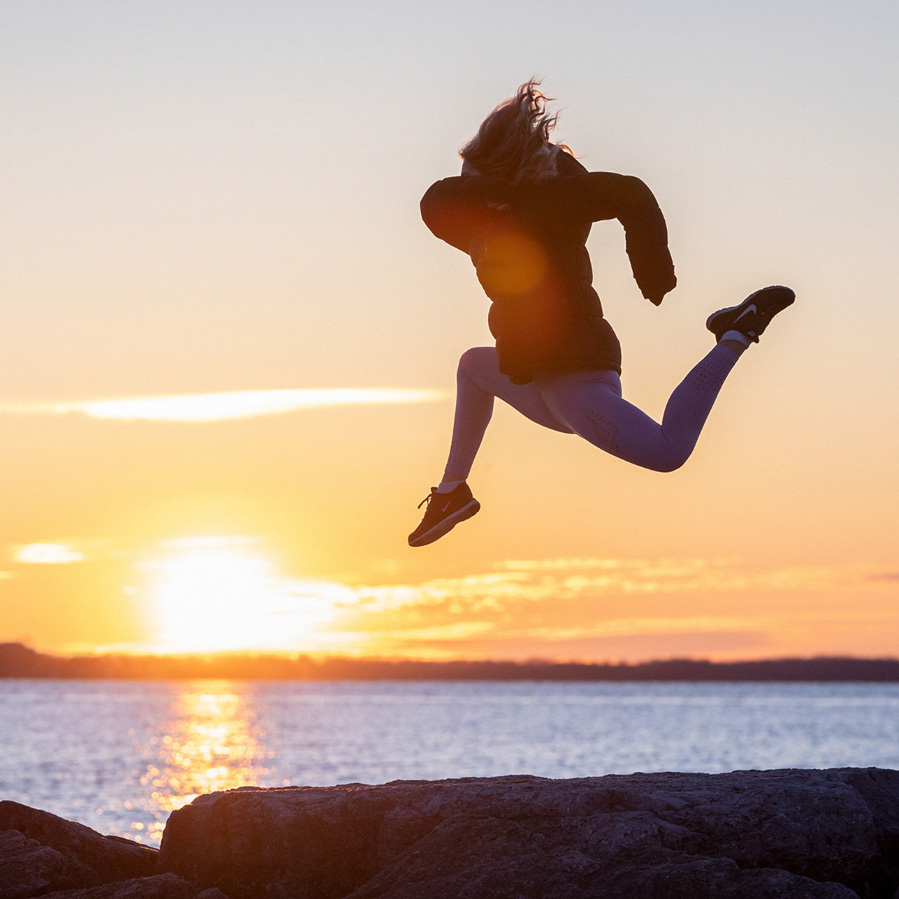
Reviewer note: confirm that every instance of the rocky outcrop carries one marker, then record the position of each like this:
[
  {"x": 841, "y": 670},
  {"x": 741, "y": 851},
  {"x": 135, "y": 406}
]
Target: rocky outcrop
[{"x": 759, "y": 834}]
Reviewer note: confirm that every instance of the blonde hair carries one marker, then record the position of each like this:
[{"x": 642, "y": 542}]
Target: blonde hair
[{"x": 513, "y": 141}]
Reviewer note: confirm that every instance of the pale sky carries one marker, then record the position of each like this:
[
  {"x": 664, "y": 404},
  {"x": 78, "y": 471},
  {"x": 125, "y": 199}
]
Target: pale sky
[{"x": 213, "y": 206}]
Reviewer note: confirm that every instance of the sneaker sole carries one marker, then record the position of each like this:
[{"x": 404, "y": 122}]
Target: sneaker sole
[
  {"x": 448, "y": 523},
  {"x": 768, "y": 309}
]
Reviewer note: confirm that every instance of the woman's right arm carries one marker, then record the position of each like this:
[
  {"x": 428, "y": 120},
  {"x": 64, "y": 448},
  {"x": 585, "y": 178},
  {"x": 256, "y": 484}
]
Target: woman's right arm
[{"x": 455, "y": 209}]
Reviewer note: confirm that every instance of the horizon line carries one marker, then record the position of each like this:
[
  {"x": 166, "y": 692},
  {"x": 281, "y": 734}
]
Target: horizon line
[{"x": 287, "y": 656}]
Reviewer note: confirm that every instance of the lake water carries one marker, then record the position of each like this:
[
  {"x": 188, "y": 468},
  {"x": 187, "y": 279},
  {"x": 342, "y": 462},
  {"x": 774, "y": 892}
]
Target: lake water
[{"x": 120, "y": 756}]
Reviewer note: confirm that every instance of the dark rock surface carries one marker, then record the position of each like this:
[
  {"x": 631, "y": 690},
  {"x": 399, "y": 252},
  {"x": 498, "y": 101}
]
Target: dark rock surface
[
  {"x": 754, "y": 834},
  {"x": 47, "y": 856},
  {"x": 40, "y": 851},
  {"x": 27, "y": 868},
  {"x": 761, "y": 834}
]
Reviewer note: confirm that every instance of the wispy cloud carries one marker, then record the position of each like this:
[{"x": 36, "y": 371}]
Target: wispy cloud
[
  {"x": 47, "y": 554},
  {"x": 564, "y": 579},
  {"x": 614, "y": 607},
  {"x": 688, "y": 624},
  {"x": 207, "y": 407}
]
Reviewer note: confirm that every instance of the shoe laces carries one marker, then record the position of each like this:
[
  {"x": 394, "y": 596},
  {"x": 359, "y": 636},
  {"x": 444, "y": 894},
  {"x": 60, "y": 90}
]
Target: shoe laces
[{"x": 428, "y": 498}]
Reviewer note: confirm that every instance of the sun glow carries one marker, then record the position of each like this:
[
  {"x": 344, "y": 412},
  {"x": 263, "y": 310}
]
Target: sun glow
[{"x": 220, "y": 595}]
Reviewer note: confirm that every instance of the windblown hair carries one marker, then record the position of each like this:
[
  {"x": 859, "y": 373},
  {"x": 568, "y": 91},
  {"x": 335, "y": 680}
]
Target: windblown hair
[{"x": 513, "y": 141}]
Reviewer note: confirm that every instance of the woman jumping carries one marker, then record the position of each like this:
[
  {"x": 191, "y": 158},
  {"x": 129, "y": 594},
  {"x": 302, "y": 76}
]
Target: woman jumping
[{"x": 522, "y": 209}]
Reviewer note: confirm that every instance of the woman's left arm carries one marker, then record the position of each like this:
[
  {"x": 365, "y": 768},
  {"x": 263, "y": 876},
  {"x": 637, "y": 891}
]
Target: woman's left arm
[{"x": 600, "y": 196}]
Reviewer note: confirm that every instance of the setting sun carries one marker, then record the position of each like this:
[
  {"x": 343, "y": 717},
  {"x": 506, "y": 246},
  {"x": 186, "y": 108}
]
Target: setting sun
[{"x": 217, "y": 594}]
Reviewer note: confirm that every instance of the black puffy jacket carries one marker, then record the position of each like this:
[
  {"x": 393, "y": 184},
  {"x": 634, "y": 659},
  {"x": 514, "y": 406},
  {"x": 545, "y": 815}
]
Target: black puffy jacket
[{"x": 527, "y": 242}]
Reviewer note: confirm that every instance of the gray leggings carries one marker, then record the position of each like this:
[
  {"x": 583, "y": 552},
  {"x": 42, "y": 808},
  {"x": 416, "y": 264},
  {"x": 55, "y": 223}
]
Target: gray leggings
[{"x": 590, "y": 404}]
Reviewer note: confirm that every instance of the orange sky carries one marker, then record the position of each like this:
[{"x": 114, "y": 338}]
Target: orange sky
[{"x": 229, "y": 343}]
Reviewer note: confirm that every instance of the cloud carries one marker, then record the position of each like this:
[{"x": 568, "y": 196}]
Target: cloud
[
  {"x": 631, "y": 627},
  {"x": 611, "y": 608},
  {"x": 886, "y": 576},
  {"x": 551, "y": 580},
  {"x": 47, "y": 554},
  {"x": 207, "y": 407}
]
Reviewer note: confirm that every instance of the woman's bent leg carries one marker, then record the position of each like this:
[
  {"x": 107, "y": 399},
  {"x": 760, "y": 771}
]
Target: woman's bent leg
[
  {"x": 592, "y": 406},
  {"x": 478, "y": 381}
]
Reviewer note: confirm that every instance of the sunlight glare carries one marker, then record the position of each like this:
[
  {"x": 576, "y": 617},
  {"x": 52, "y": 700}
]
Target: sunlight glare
[
  {"x": 214, "y": 595},
  {"x": 210, "y": 745}
]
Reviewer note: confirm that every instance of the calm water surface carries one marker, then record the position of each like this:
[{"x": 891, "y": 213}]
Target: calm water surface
[{"x": 120, "y": 756}]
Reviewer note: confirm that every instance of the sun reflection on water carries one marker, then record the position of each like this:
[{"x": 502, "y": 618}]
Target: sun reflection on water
[{"x": 212, "y": 743}]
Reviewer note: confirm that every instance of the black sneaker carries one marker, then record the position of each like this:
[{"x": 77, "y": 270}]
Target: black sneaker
[
  {"x": 751, "y": 317},
  {"x": 444, "y": 512}
]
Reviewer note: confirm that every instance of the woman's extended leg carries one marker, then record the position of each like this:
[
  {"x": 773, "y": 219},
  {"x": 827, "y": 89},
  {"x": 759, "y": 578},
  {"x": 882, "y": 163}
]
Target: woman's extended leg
[{"x": 590, "y": 403}]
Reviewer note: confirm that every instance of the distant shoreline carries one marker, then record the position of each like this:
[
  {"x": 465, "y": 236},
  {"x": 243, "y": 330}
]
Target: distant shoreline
[{"x": 20, "y": 662}]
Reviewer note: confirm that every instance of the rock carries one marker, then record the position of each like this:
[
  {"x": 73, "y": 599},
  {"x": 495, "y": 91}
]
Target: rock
[
  {"x": 27, "y": 868},
  {"x": 499, "y": 860},
  {"x": 61, "y": 854},
  {"x": 803, "y": 834}
]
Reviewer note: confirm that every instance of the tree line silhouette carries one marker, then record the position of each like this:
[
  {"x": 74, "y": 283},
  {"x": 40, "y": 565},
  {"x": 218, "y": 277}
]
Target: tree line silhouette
[{"x": 19, "y": 661}]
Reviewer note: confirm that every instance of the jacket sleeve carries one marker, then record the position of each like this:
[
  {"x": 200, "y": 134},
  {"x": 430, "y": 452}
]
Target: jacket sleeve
[
  {"x": 600, "y": 196},
  {"x": 455, "y": 209}
]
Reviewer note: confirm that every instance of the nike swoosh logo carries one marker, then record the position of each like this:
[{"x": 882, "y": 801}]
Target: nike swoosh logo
[{"x": 746, "y": 311}]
